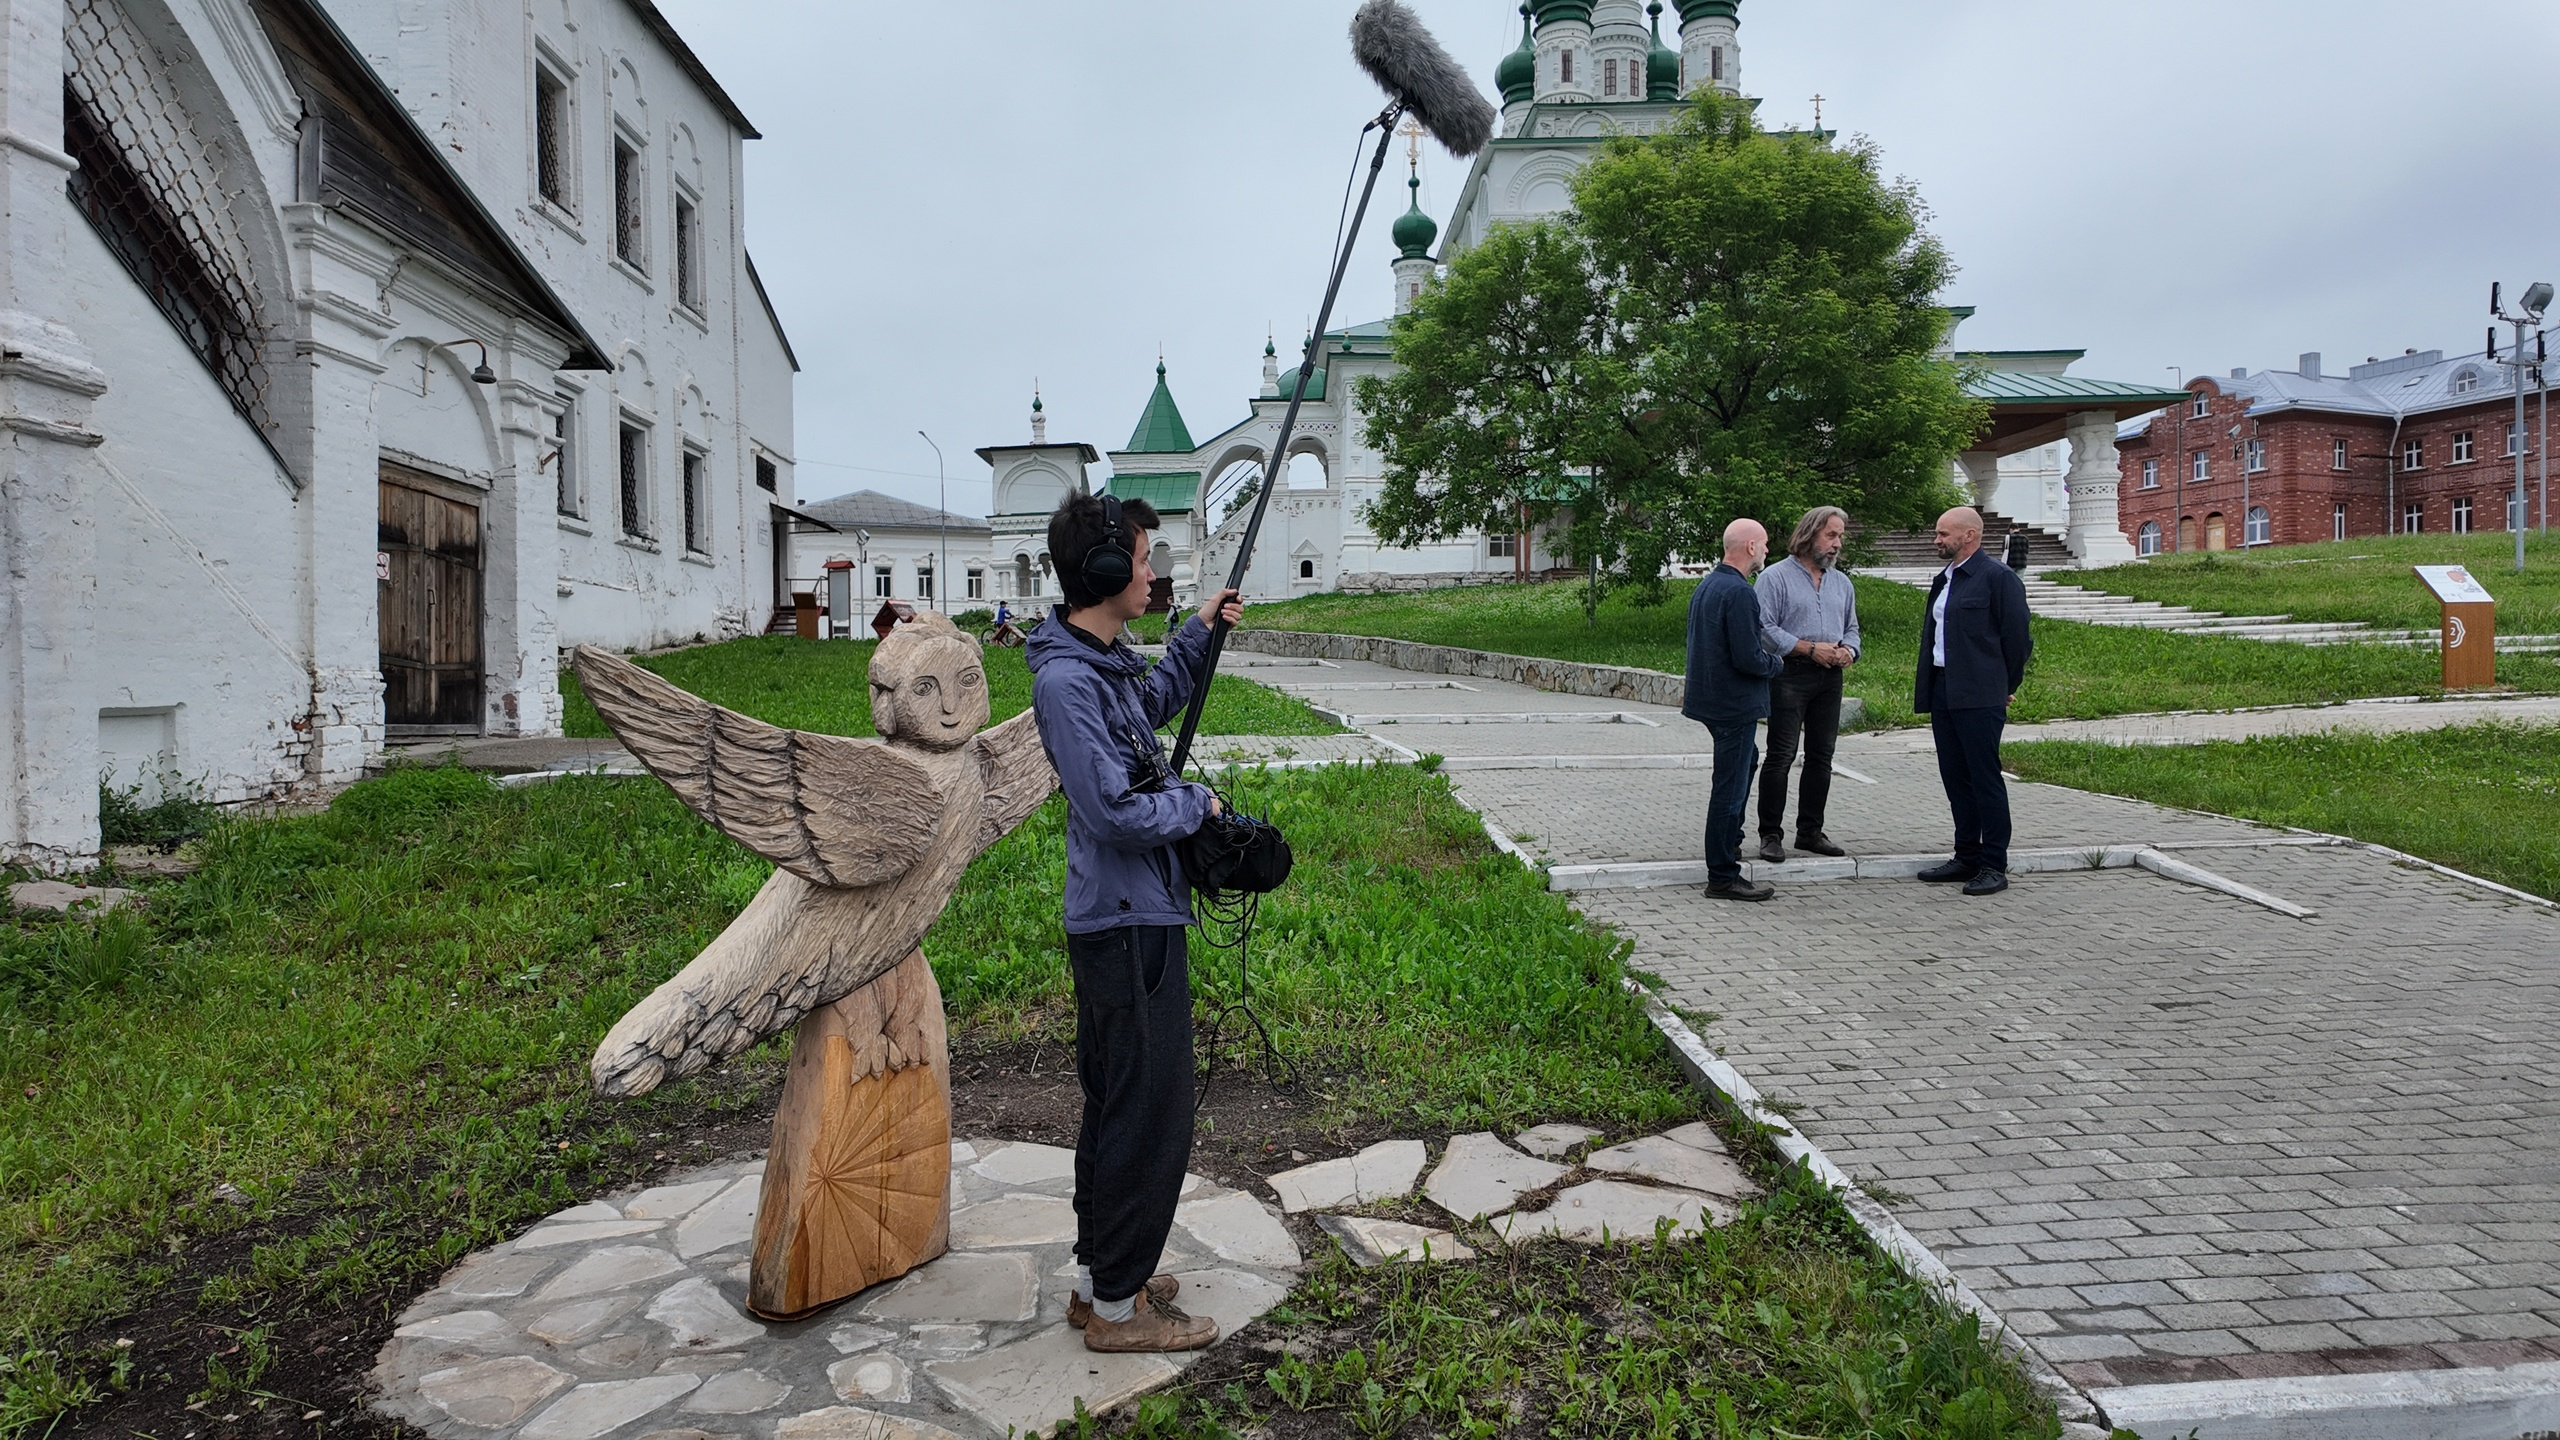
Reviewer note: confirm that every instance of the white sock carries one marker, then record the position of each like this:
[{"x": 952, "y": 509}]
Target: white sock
[
  {"x": 1084, "y": 1283},
  {"x": 1116, "y": 1311}
]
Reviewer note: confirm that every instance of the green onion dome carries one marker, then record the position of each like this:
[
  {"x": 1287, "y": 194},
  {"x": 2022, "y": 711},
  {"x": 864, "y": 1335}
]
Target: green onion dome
[
  {"x": 1704, "y": 9},
  {"x": 1563, "y": 10},
  {"x": 1414, "y": 231},
  {"x": 1662, "y": 66},
  {"x": 1517, "y": 76}
]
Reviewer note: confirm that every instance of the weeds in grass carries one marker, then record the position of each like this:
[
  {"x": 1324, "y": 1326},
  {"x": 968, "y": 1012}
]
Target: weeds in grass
[
  {"x": 77, "y": 956},
  {"x": 180, "y": 814}
]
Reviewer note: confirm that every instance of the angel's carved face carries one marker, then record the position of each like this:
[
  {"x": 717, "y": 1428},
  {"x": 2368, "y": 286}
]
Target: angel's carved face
[{"x": 939, "y": 703}]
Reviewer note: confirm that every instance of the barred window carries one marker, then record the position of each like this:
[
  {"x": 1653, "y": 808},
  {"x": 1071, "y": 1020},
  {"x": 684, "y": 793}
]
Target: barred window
[
  {"x": 154, "y": 195},
  {"x": 688, "y": 255},
  {"x": 1608, "y": 77},
  {"x": 697, "y": 505},
  {"x": 564, "y": 431},
  {"x": 630, "y": 225},
  {"x": 768, "y": 475},
  {"x": 635, "y": 481},
  {"x": 551, "y": 136}
]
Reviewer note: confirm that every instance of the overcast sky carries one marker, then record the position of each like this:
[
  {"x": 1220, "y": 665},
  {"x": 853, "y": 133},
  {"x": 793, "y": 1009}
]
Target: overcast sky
[{"x": 951, "y": 200}]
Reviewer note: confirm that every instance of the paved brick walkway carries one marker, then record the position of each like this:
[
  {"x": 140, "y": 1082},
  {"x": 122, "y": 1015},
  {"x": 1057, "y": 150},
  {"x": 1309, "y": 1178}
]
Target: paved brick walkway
[{"x": 2169, "y": 1134}]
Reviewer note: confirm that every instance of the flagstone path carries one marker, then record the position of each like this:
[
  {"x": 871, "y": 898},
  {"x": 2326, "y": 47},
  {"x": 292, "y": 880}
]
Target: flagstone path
[{"x": 2170, "y": 1133}]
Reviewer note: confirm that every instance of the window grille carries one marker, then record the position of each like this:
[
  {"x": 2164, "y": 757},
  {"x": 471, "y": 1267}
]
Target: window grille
[
  {"x": 155, "y": 196},
  {"x": 688, "y": 255},
  {"x": 564, "y": 429},
  {"x": 768, "y": 475},
  {"x": 697, "y": 505},
  {"x": 551, "y": 136},
  {"x": 1568, "y": 67},
  {"x": 1608, "y": 77},
  {"x": 1715, "y": 63},
  {"x": 635, "y": 481},
  {"x": 629, "y": 225}
]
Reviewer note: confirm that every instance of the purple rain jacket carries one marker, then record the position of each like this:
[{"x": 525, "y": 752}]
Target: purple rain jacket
[{"x": 1098, "y": 707}]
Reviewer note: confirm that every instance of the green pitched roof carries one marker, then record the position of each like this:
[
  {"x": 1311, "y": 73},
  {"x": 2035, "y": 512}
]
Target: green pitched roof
[
  {"x": 1170, "y": 494},
  {"x": 2012, "y": 387},
  {"x": 1160, "y": 430}
]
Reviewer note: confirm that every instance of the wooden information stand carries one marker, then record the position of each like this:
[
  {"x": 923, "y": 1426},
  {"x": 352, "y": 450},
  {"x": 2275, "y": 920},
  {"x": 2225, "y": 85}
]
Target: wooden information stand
[{"x": 2470, "y": 626}]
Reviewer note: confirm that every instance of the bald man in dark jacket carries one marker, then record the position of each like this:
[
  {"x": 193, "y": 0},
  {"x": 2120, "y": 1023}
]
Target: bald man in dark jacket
[
  {"x": 1974, "y": 647},
  {"x": 1727, "y": 691}
]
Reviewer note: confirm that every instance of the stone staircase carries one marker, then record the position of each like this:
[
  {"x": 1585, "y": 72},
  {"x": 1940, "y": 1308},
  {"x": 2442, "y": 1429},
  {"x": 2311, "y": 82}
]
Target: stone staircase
[
  {"x": 1917, "y": 549},
  {"x": 2060, "y": 601}
]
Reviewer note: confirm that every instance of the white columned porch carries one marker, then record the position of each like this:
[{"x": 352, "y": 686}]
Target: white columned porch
[
  {"x": 2096, "y": 537},
  {"x": 48, "y": 532}
]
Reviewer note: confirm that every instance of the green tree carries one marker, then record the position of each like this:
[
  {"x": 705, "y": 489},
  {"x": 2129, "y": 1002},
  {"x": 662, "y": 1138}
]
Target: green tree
[{"x": 1727, "y": 323}]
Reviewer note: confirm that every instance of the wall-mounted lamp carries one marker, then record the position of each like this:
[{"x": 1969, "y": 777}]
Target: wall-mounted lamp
[{"x": 481, "y": 374}]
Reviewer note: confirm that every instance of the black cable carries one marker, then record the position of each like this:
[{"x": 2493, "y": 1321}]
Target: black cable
[{"x": 1235, "y": 913}]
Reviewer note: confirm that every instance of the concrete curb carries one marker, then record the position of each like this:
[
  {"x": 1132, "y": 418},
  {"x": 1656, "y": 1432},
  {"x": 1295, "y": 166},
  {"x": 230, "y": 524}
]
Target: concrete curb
[
  {"x": 1566, "y": 677},
  {"x": 1659, "y": 874},
  {"x": 2468, "y": 1404}
]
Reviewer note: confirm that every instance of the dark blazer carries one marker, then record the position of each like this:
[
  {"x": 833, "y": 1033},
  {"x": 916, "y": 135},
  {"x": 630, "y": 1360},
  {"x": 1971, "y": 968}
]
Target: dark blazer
[
  {"x": 1987, "y": 638},
  {"x": 1729, "y": 669}
]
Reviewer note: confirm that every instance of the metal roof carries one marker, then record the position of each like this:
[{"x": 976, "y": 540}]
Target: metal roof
[
  {"x": 871, "y": 510},
  {"x": 692, "y": 65},
  {"x": 2416, "y": 383},
  {"x": 1173, "y": 494},
  {"x": 2018, "y": 387},
  {"x": 1160, "y": 429}
]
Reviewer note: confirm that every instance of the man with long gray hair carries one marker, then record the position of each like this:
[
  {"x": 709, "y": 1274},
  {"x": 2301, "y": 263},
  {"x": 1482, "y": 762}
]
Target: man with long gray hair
[{"x": 1808, "y": 617}]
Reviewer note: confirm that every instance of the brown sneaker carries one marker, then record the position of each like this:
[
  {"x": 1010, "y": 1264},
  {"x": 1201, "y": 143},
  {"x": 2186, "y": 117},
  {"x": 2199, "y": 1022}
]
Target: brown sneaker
[
  {"x": 1160, "y": 1288},
  {"x": 1152, "y": 1328}
]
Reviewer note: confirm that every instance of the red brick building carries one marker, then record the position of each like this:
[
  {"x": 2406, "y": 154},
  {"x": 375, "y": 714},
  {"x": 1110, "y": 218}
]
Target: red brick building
[{"x": 2417, "y": 443}]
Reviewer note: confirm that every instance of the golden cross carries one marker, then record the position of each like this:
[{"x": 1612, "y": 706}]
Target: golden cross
[{"x": 1412, "y": 141}]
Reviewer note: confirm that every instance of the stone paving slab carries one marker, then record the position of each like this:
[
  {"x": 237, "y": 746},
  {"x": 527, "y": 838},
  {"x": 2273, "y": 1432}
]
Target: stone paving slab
[{"x": 626, "y": 1316}]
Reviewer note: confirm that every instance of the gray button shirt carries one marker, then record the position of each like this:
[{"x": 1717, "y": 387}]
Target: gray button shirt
[{"x": 1793, "y": 609}]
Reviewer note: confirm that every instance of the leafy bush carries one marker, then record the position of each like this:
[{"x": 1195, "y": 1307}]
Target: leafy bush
[{"x": 180, "y": 814}]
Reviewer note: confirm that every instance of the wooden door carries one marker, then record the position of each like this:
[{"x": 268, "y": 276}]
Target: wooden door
[
  {"x": 428, "y": 576},
  {"x": 2215, "y": 536}
]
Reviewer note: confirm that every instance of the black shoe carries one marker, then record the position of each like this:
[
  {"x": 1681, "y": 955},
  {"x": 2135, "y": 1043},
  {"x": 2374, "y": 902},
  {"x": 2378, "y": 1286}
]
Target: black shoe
[
  {"x": 1772, "y": 851},
  {"x": 1986, "y": 882},
  {"x": 1818, "y": 845},
  {"x": 1949, "y": 872},
  {"x": 1740, "y": 889}
]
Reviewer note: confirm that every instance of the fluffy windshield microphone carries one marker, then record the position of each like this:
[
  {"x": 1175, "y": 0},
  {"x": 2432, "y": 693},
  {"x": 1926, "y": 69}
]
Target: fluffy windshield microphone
[{"x": 1389, "y": 42}]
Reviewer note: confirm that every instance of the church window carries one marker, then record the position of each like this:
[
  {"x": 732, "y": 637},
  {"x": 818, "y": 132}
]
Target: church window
[
  {"x": 1306, "y": 569},
  {"x": 1567, "y": 73},
  {"x": 688, "y": 255},
  {"x": 146, "y": 184},
  {"x": 630, "y": 222},
  {"x": 697, "y": 504},
  {"x": 1715, "y": 63},
  {"x": 1608, "y": 77},
  {"x": 551, "y": 146},
  {"x": 768, "y": 474},
  {"x": 564, "y": 434},
  {"x": 635, "y": 481}
]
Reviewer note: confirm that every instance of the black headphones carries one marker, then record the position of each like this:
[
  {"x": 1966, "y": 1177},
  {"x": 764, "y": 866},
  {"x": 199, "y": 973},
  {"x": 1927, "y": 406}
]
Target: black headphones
[{"x": 1107, "y": 568}]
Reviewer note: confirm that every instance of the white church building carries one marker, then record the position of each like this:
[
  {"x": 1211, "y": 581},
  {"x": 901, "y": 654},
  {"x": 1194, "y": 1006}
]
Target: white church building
[
  {"x": 354, "y": 359},
  {"x": 1584, "y": 71}
]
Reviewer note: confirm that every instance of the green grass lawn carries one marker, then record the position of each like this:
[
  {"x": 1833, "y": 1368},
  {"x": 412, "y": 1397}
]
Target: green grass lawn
[
  {"x": 2367, "y": 580},
  {"x": 2080, "y": 671},
  {"x": 826, "y": 687},
  {"x": 2482, "y": 798}
]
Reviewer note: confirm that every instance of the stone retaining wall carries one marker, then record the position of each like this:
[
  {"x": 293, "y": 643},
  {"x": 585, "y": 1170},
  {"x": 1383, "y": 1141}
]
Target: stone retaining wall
[{"x": 1566, "y": 677}]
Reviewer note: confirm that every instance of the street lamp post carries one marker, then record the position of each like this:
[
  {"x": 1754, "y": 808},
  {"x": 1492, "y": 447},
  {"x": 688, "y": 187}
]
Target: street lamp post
[
  {"x": 2178, "y": 522},
  {"x": 942, "y": 563},
  {"x": 2536, "y": 299}
]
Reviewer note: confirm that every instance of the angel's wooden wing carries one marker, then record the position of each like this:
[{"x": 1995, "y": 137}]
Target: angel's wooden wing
[
  {"x": 834, "y": 811},
  {"x": 1018, "y": 775}
]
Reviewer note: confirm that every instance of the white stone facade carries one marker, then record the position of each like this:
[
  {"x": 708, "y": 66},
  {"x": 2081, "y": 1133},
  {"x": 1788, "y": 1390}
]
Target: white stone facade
[{"x": 191, "y": 590}]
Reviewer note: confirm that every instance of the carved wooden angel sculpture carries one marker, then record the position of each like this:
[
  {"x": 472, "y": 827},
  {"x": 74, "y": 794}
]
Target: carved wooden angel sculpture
[{"x": 869, "y": 837}]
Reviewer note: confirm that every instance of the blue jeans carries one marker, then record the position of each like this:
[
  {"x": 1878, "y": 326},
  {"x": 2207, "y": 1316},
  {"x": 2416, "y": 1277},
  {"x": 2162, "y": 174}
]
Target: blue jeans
[{"x": 1737, "y": 752}]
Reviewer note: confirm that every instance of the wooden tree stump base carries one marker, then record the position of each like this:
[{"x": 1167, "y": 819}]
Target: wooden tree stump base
[{"x": 857, "y": 1188}]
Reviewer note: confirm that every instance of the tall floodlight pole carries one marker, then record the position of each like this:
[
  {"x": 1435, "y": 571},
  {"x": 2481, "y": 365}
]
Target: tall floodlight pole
[
  {"x": 942, "y": 565},
  {"x": 2178, "y": 522},
  {"x": 2537, "y": 298},
  {"x": 2542, "y": 428}
]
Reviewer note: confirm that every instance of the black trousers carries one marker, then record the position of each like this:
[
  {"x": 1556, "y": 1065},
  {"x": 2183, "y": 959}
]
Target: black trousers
[
  {"x": 1804, "y": 703},
  {"x": 1133, "y": 1060},
  {"x": 1729, "y": 794},
  {"x": 1969, "y": 766}
]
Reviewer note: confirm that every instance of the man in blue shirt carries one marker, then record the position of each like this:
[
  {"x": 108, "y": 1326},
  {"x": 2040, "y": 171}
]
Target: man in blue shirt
[{"x": 1728, "y": 692}]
